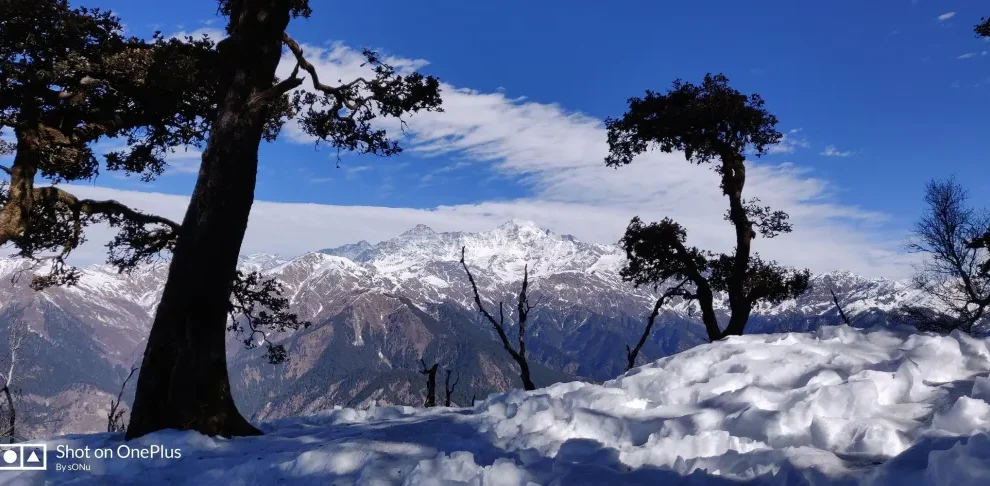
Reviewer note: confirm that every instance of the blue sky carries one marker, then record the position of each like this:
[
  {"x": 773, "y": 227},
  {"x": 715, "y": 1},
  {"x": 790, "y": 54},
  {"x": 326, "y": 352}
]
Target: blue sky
[{"x": 875, "y": 98}]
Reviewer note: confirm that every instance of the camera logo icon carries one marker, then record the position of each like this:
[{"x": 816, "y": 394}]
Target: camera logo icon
[{"x": 23, "y": 457}]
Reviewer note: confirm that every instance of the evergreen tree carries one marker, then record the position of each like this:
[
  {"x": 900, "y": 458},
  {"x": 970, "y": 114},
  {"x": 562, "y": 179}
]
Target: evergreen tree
[{"x": 710, "y": 123}]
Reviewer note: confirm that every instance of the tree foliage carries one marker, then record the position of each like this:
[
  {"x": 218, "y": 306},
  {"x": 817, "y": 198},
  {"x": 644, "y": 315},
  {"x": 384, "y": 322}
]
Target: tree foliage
[
  {"x": 711, "y": 123},
  {"x": 956, "y": 269},
  {"x": 70, "y": 78},
  {"x": 983, "y": 28},
  {"x": 257, "y": 306}
]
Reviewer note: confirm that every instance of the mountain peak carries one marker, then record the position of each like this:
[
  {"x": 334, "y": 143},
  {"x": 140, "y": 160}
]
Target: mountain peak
[
  {"x": 419, "y": 230},
  {"x": 516, "y": 223}
]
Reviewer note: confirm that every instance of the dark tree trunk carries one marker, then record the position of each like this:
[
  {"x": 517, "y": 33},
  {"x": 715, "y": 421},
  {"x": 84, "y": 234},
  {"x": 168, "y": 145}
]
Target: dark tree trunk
[
  {"x": 15, "y": 216},
  {"x": 524, "y": 374},
  {"x": 707, "y": 303},
  {"x": 183, "y": 383},
  {"x": 431, "y": 384},
  {"x": 733, "y": 180},
  {"x": 12, "y": 416}
]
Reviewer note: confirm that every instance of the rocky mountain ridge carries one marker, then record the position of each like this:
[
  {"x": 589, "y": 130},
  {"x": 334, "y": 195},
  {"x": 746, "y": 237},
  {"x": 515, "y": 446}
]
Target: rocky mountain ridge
[{"x": 377, "y": 309}]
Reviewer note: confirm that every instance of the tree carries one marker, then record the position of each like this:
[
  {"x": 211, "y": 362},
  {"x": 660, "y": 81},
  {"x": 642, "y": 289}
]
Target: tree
[
  {"x": 184, "y": 383},
  {"x": 523, "y": 307},
  {"x": 835, "y": 300},
  {"x": 711, "y": 123},
  {"x": 431, "y": 383},
  {"x": 15, "y": 339},
  {"x": 449, "y": 387},
  {"x": 69, "y": 78},
  {"x": 956, "y": 268},
  {"x": 115, "y": 416}
]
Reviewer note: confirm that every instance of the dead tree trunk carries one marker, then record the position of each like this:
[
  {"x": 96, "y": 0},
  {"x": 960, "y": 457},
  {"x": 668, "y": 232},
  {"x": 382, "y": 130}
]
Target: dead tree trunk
[
  {"x": 431, "y": 384},
  {"x": 523, "y": 308},
  {"x": 183, "y": 383},
  {"x": 449, "y": 387}
]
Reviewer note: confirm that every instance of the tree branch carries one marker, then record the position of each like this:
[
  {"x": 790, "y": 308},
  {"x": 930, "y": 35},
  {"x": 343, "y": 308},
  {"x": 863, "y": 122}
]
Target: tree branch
[
  {"x": 677, "y": 290},
  {"x": 115, "y": 415},
  {"x": 837, "y": 306},
  {"x": 524, "y": 307},
  {"x": 338, "y": 92}
]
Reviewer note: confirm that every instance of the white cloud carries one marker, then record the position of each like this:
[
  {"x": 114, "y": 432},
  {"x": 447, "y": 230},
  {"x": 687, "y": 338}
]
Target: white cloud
[
  {"x": 559, "y": 154},
  {"x": 789, "y": 142},
  {"x": 832, "y": 151},
  {"x": 967, "y": 55},
  {"x": 184, "y": 161},
  {"x": 946, "y": 16},
  {"x": 294, "y": 228}
]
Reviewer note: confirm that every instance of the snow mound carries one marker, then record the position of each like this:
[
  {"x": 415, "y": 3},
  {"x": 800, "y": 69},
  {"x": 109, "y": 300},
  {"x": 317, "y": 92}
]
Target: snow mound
[{"x": 836, "y": 406}]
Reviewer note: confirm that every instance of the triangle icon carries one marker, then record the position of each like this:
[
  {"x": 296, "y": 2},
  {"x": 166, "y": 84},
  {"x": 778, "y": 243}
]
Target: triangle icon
[{"x": 33, "y": 457}]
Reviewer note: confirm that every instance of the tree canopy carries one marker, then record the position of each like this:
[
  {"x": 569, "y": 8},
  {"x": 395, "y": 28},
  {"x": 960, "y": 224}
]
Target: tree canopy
[
  {"x": 711, "y": 123},
  {"x": 68, "y": 79}
]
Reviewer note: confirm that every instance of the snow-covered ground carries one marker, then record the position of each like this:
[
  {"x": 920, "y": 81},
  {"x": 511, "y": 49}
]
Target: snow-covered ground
[{"x": 837, "y": 406}]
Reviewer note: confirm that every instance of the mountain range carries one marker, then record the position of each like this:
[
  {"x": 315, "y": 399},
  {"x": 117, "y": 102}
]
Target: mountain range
[{"x": 379, "y": 312}]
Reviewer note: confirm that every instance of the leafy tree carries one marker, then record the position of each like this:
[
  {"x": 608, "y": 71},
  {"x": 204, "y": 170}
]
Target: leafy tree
[
  {"x": 711, "y": 123},
  {"x": 69, "y": 78},
  {"x": 983, "y": 28},
  {"x": 183, "y": 383},
  {"x": 956, "y": 270}
]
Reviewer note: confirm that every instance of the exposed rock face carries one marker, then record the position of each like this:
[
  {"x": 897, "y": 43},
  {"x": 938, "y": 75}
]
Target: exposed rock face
[{"x": 376, "y": 311}]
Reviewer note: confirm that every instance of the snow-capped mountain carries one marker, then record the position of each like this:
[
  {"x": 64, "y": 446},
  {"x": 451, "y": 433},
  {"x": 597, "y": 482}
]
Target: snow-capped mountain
[{"x": 377, "y": 309}]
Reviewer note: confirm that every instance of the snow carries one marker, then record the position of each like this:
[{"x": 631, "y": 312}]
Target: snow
[{"x": 836, "y": 406}]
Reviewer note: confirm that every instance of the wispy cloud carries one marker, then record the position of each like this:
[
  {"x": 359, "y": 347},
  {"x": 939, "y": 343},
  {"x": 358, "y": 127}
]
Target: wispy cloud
[
  {"x": 832, "y": 151},
  {"x": 790, "y": 141},
  {"x": 559, "y": 155},
  {"x": 184, "y": 161},
  {"x": 946, "y": 16},
  {"x": 967, "y": 55}
]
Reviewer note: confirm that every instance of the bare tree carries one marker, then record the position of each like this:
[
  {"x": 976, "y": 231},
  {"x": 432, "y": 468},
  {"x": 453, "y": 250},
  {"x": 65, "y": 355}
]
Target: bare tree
[
  {"x": 523, "y": 308},
  {"x": 15, "y": 339},
  {"x": 955, "y": 271},
  {"x": 677, "y": 290},
  {"x": 431, "y": 383},
  {"x": 115, "y": 417},
  {"x": 449, "y": 387},
  {"x": 835, "y": 299}
]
